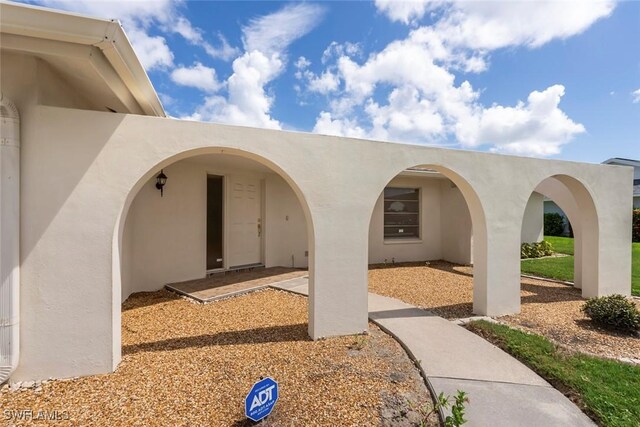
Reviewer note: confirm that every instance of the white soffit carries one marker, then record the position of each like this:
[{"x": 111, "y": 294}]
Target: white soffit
[{"x": 101, "y": 43}]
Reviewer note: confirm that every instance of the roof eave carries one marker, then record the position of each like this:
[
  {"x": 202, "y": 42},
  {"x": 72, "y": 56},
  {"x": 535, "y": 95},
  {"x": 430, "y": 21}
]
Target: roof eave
[{"x": 106, "y": 35}]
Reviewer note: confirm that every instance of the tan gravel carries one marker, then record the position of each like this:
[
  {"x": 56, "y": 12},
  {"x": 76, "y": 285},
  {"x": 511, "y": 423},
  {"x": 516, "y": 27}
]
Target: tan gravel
[
  {"x": 440, "y": 286},
  {"x": 548, "y": 308},
  {"x": 192, "y": 364}
]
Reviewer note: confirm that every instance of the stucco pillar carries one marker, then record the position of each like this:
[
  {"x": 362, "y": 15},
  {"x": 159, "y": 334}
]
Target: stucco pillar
[
  {"x": 338, "y": 302},
  {"x": 496, "y": 286},
  {"x": 607, "y": 270},
  {"x": 577, "y": 257}
]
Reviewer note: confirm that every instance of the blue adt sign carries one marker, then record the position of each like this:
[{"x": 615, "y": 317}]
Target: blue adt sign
[{"x": 261, "y": 399}]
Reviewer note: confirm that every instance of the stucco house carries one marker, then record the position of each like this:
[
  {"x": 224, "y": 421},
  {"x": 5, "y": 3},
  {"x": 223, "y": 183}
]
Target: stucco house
[{"x": 87, "y": 217}]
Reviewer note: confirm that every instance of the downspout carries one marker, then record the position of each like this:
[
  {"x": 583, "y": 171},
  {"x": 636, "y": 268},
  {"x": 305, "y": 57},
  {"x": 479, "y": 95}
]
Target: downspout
[{"x": 9, "y": 237}]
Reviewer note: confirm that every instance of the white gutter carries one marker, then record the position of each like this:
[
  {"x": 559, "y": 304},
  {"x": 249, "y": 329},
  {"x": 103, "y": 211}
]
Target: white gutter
[
  {"x": 106, "y": 35},
  {"x": 9, "y": 237}
]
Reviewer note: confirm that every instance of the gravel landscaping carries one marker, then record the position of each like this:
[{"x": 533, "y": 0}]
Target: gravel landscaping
[
  {"x": 192, "y": 364},
  {"x": 548, "y": 308}
]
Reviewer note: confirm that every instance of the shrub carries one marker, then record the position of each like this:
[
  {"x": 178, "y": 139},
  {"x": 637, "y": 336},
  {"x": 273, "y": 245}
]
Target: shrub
[
  {"x": 553, "y": 224},
  {"x": 613, "y": 311},
  {"x": 636, "y": 225},
  {"x": 536, "y": 249}
]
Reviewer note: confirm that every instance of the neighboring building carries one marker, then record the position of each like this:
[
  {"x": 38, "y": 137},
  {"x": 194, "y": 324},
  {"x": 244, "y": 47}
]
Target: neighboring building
[
  {"x": 635, "y": 164},
  {"x": 86, "y": 146},
  {"x": 550, "y": 206}
]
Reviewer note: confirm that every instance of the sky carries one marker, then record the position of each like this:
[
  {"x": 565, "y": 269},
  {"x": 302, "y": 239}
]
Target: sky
[{"x": 556, "y": 79}]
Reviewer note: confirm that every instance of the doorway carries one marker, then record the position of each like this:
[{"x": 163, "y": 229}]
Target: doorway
[
  {"x": 244, "y": 214},
  {"x": 215, "y": 219}
]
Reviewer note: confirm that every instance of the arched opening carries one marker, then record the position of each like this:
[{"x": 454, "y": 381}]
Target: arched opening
[
  {"x": 560, "y": 245},
  {"x": 427, "y": 242},
  {"x": 224, "y": 218},
  {"x": 561, "y": 212}
]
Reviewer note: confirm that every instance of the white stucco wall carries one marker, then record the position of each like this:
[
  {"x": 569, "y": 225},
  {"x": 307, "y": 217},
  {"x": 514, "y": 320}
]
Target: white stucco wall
[
  {"x": 80, "y": 169},
  {"x": 285, "y": 237},
  {"x": 167, "y": 234},
  {"x": 456, "y": 225},
  {"x": 164, "y": 238},
  {"x": 533, "y": 221}
]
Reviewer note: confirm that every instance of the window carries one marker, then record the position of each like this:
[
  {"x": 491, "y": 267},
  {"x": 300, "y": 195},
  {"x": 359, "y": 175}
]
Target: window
[{"x": 401, "y": 213}]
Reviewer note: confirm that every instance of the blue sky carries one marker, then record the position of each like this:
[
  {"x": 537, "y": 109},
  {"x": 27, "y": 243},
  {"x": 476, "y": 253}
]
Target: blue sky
[{"x": 546, "y": 79}]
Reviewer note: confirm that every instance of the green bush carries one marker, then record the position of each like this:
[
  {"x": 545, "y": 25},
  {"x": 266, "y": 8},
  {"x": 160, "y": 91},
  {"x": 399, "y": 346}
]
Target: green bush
[
  {"x": 553, "y": 224},
  {"x": 613, "y": 311},
  {"x": 636, "y": 225},
  {"x": 536, "y": 249}
]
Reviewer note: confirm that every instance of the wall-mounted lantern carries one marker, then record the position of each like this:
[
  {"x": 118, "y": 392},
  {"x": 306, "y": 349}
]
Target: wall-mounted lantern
[{"x": 161, "y": 180}]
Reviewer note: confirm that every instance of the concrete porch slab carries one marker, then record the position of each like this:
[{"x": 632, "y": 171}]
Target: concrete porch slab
[{"x": 227, "y": 284}]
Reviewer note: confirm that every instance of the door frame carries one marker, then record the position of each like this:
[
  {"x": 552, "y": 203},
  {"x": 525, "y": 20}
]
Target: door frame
[
  {"x": 225, "y": 214},
  {"x": 224, "y": 221}
]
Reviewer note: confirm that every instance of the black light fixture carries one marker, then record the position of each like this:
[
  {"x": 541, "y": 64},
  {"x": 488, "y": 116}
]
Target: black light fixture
[{"x": 161, "y": 180}]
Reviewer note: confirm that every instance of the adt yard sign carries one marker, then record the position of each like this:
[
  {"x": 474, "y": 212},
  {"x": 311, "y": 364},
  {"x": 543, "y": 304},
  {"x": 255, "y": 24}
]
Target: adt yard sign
[{"x": 261, "y": 399}]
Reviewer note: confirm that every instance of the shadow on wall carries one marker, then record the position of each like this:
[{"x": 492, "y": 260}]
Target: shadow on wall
[{"x": 48, "y": 160}]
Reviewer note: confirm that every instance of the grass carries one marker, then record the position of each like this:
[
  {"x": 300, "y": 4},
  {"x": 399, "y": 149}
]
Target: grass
[
  {"x": 605, "y": 389},
  {"x": 561, "y": 268},
  {"x": 562, "y": 245}
]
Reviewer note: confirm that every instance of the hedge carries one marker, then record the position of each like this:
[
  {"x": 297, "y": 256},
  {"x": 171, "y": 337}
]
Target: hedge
[{"x": 553, "y": 224}]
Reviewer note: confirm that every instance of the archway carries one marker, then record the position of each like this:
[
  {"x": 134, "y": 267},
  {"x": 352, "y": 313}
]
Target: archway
[
  {"x": 570, "y": 199},
  {"x": 430, "y": 217},
  {"x": 160, "y": 239}
]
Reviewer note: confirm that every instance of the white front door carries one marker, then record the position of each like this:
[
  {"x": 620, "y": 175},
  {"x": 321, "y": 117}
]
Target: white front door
[{"x": 244, "y": 222}]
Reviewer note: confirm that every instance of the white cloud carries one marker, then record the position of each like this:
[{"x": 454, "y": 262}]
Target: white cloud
[
  {"x": 167, "y": 100},
  {"x": 266, "y": 39},
  {"x": 408, "y": 117},
  {"x": 493, "y": 25},
  {"x": 426, "y": 103},
  {"x": 197, "y": 76},
  {"x": 302, "y": 63},
  {"x": 194, "y": 35},
  {"x": 537, "y": 127},
  {"x": 226, "y": 52},
  {"x": 325, "y": 83},
  {"x": 336, "y": 50},
  {"x": 273, "y": 33},
  {"x": 327, "y": 125},
  {"x": 247, "y": 103},
  {"x": 636, "y": 96},
  {"x": 152, "y": 51},
  {"x": 406, "y": 12}
]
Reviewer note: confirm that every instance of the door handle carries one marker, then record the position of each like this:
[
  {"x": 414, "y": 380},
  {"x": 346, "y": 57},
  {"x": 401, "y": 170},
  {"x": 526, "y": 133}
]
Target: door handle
[{"x": 259, "y": 228}]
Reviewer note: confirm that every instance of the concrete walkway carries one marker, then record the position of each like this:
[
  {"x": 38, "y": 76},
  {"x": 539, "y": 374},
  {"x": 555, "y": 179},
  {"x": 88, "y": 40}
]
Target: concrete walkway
[{"x": 502, "y": 391}]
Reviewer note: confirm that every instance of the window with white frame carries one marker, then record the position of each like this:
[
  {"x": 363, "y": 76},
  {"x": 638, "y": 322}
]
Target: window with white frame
[{"x": 401, "y": 213}]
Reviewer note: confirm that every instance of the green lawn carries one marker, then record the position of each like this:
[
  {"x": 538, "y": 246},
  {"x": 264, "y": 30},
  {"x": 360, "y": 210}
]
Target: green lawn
[
  {"x": 561, "y": 268},
  {"x": 562, "y": 245},
  {"x": 607, "y": 389}
]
